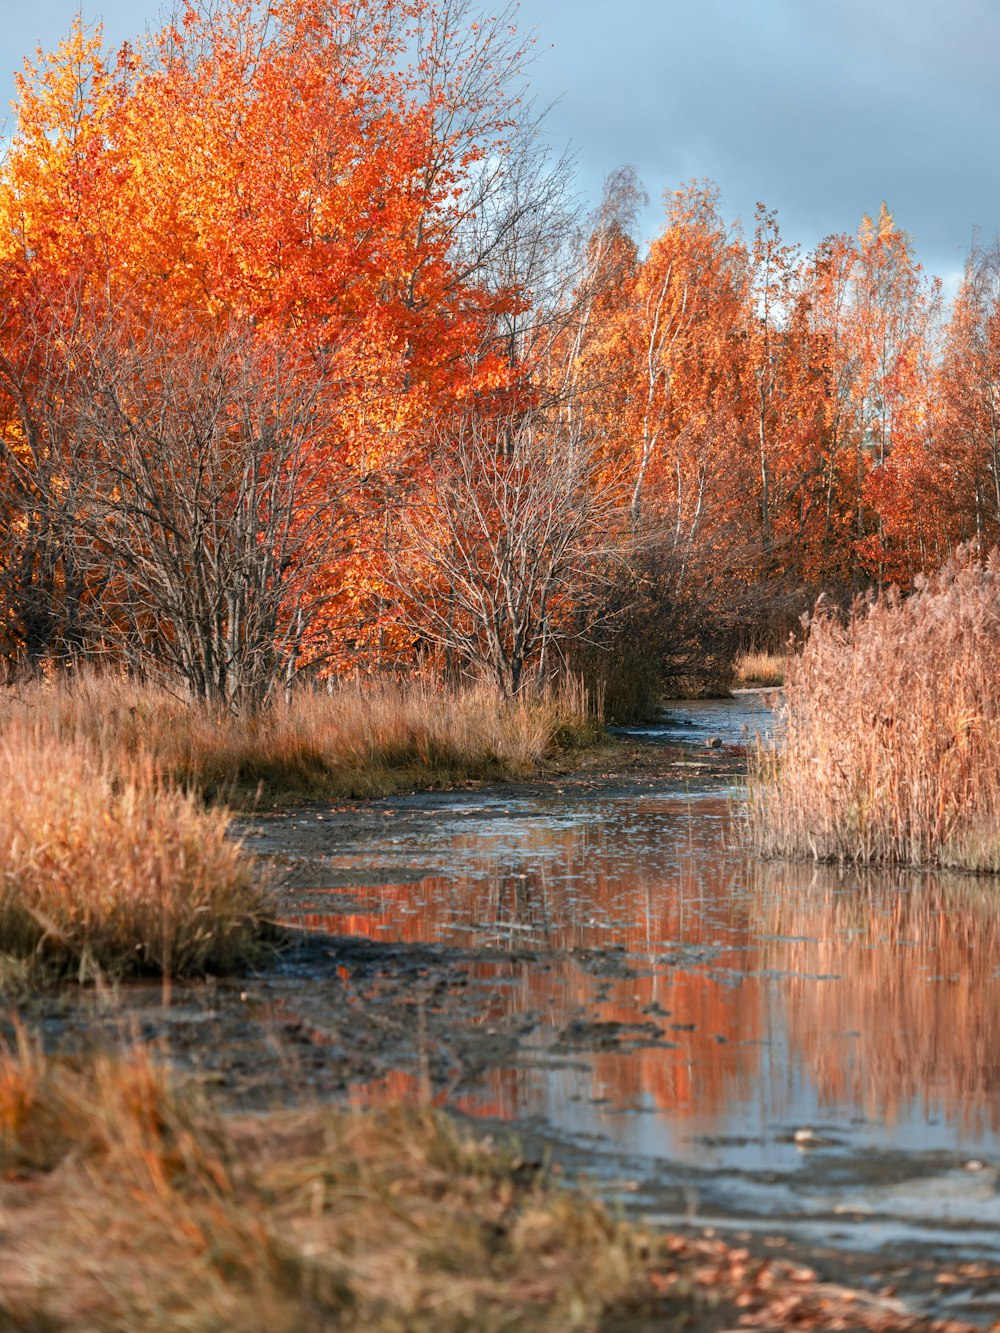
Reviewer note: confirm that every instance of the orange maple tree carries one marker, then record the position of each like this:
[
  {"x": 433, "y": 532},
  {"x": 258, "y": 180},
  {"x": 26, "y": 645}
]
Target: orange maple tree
[{"x": 287, "y": 171}]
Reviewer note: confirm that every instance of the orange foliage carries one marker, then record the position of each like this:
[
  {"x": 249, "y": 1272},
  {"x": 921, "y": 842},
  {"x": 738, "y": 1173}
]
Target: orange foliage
[
  {"x": 286, "y": 170},
  {"x": 774, "y": 406},
  {"x": 959, "y": 477},
  {"x": 326, "y": 173}
]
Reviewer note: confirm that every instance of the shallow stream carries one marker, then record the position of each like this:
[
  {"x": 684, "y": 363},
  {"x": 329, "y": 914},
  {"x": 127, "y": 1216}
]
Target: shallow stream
[{"x": 732, "y": 1042}]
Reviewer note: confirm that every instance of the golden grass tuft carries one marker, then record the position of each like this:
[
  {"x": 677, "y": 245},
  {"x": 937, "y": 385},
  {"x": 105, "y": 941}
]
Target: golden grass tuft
[
  {"x": 891, "y": 733},
  {"x": 157, "y": 1214},
  {"x": 356, "y": 740},
  {"x": 117, "y": 871},
  {"x": 759, "y": 668}
]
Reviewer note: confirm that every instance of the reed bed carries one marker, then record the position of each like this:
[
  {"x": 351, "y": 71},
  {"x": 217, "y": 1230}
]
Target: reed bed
[
  {"x": 890, "y": 747},
  {"x": 117, "y": 872},
  {"x": 356, "y": 740}
]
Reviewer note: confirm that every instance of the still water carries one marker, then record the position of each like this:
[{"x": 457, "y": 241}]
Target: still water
[{"x": 727, "y": 1039}]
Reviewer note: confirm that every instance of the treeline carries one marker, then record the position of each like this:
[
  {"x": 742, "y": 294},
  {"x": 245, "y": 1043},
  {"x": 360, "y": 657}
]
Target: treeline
[
  {"x": 308, "y": 366},
  {"x": 808, "y": 417}
]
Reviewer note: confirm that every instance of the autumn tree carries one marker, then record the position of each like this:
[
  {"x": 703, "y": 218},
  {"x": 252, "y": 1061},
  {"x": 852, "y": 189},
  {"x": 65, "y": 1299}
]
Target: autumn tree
[
  {"x": 43, "y": 587},
  {"x": 960, "y": 478},
  {"x": 512, "y": 531},
  {"x": 336, "y": 183},
  {"x": 49, "y": 188},
  {"x": 825, "y": 321},
  {"x": 209, "y": 506},
  {"x": 783, "y": 389},
  {"x": 665, "y": 352},
  {"x": 892, "y": 313}
]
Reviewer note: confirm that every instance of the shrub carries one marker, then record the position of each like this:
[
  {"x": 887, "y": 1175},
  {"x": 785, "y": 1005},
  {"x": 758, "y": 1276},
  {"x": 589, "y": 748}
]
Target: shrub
[{"x": 891, "y": 732}]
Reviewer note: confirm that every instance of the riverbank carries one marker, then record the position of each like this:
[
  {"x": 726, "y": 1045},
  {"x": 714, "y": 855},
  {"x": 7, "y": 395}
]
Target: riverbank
[
  {"x": 621, "y": 761},
  {"x": 356, "y": 740},
  {"x": 112, "y": 865},
  {"x": 586, "y": 962},
  {"x": 138, "y": 1206}
]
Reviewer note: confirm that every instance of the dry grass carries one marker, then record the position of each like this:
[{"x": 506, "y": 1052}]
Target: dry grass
[
  {"x": 155, "y": 1214},
  {"x": 109, "y": 860},
  {"x": 891, "y": 744},
  {"x": 759, "y": 668},
  {"x": 359, "y": 740},
  {"x": 138, "y": 1208},
  {"x": 117, "y": 872}
]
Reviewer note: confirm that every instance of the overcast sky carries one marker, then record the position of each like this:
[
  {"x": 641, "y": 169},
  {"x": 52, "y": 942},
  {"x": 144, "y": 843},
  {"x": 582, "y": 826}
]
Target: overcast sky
[{"x": 820, "y": 108}]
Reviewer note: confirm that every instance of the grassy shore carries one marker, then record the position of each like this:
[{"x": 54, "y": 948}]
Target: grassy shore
[
  {"x": 890, "y": 751},
  {"x": 760, "y": 669},
  {"x": 356, "y": 740},
  {"x": 115, "y": 856},
  {"x": 138, "y": 1207}
]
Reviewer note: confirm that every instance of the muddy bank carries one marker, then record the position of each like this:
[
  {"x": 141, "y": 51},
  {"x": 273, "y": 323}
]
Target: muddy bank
[
  {"x": 332, "y": 1010},
  {"x": 366, "y": 1023}
]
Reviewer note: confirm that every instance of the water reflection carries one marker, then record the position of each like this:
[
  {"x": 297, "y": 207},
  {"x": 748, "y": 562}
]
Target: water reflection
[
  {"x": 918, "y": 958},
  {"x": 667, "y": 974}
]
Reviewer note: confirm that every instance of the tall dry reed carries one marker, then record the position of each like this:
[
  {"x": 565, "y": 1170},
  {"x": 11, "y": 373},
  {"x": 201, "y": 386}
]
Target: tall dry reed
[
  {"x": 891, "y": 732},
  {"x": 356, "y": 740},
  {"x": 106, "y": 870}
]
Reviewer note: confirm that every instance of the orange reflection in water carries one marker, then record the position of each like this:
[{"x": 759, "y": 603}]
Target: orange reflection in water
[
  {"x": 881, "y": 993},
  {"x": 580, "y": 903},
  {"x": 917, "y": 958}
]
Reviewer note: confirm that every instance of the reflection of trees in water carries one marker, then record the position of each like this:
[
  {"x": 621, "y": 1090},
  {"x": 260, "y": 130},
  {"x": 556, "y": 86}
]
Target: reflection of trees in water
[
  {"x": 917, "y": 958},
  {"x": 571, "y": 891},
  {"x": 576, "y": 890}
]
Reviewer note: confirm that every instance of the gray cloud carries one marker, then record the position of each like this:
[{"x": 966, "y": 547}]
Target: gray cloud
[{"x": 820, "y": 108}]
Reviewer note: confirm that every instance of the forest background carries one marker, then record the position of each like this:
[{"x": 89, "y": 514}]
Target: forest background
[{"x": 310, "y": 365}]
